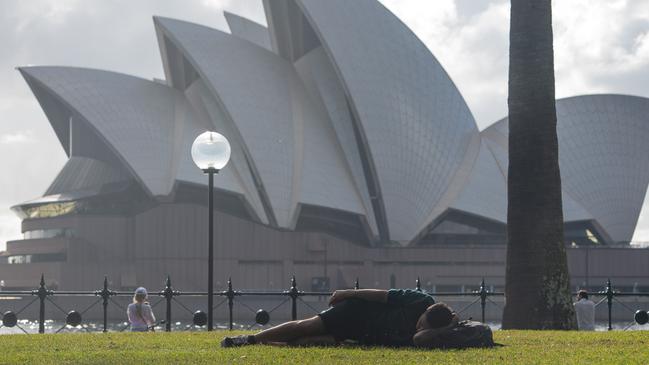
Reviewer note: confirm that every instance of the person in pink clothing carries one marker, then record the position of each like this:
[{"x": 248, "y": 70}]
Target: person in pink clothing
[{"x": 140, "y": 314}]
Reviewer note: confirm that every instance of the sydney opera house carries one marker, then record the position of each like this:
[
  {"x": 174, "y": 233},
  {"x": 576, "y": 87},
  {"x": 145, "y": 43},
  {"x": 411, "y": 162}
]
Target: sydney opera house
[{"x": 353, "y": 155}]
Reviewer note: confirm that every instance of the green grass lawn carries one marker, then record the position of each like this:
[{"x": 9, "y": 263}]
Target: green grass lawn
[{"x": 521, "y": 347}]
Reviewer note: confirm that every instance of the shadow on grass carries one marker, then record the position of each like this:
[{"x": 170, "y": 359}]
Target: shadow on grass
[{"x": 356, "y": 346}]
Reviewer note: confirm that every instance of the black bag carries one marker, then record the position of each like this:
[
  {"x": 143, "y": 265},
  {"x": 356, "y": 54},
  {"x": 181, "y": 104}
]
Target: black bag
[{"x": 466, "y": 334}]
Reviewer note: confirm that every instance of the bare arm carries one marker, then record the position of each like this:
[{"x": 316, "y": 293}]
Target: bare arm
[
  {"x": 130, "y": 314},
  {"x": 425, "y": 338},
  {"x": 428, "y": 337},
  {"x": 149, "y": 316},
  {"x": 371, "y": 295}
]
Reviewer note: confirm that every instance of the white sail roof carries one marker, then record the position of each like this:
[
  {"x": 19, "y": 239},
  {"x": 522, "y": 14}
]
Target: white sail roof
[
  {"x": 601, "y": 139},
  {"x": 415, "y": 123}
]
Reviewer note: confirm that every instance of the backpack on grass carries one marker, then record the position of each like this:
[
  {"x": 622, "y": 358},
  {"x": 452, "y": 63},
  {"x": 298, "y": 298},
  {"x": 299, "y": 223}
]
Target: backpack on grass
[{"x": 466, "y": 334}]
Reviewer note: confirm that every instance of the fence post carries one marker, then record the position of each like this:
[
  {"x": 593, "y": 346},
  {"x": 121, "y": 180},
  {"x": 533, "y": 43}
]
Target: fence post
[
  {"x": 230, "y": 295},
  {"x": 483, "y": 298},
  {"x": 356, "y": 286},
  {"x": 169, "y": 295},
  {"x": 418, "y": 284},
  {"x": 293, "y": 293},
  {"x": 105, "y": 294},
  {"x": 609, "y": 300},
  {"x": 42, "y": 293}
]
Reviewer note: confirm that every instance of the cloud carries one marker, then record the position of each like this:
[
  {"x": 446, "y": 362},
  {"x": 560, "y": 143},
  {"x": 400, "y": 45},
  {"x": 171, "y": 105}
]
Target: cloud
[
  {"x": 9, "y": 229},
  {"x": 601, "y": 47},
  {"x": 17, "y": 137},
  {"x": 217, "y": 4},
  {"x": 23, "y": 14}
]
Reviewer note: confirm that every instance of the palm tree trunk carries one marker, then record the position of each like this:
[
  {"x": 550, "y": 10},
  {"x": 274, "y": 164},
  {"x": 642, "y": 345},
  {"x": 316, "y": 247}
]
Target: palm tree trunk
[{"x": 537, "y": 280}]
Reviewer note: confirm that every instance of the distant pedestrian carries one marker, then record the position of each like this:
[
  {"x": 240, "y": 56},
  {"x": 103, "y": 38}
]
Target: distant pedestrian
[
  {"x": 140, "y": 313},
  {"x": 585, "y": 311}
]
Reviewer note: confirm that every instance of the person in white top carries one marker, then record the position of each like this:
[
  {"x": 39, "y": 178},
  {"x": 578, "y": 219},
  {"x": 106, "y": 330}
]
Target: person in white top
[
  {"x": 585, "y": 311},
  {"x": 139, "y": 312}
]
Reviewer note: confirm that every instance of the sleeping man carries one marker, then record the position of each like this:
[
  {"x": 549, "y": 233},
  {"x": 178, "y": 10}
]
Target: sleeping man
[{"x": 364, "y": 316}]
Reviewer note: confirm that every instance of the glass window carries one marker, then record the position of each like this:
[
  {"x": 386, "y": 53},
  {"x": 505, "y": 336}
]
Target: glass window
[
  {"x": 19, "y": 259},
  {"x": 50, "y": 210},
  {"x": 591, "y": 237},
  {"x": 41, "y": 257},
  {"x": 49, "y": 233}
]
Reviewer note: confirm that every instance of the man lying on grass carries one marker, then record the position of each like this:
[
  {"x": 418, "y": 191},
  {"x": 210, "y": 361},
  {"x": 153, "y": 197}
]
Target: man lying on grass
[{"x": 376, "y": 317}]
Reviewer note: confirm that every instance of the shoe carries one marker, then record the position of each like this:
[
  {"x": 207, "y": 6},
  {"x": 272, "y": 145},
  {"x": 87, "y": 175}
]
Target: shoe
[
  {"x": 227, "y": 342},
  {"x": 242, "y": 340}
]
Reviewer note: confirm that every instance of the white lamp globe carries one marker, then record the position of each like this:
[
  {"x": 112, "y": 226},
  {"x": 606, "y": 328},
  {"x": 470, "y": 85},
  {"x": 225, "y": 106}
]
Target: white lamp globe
[{"x": 211, "y": 150}]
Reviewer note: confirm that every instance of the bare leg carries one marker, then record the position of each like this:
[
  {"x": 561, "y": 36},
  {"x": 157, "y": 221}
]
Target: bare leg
[
  {"x": 322, "y": 340},
  {"x": 291, "y": 331}
]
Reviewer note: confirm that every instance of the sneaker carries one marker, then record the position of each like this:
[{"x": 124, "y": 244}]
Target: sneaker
[{"x": 241, "y": 340}]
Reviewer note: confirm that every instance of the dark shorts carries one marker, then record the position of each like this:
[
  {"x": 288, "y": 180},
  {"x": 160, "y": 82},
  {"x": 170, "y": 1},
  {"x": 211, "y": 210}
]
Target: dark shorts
[{"x": 348, "y": 320}]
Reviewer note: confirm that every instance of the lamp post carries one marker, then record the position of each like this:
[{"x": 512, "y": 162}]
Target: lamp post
[{"x": 210, "y": 152}]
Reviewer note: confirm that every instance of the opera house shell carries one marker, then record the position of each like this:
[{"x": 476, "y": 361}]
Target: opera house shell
[{"x": 346, "y": 132}]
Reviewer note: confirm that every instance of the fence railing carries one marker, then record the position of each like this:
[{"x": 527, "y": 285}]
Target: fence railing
[{"x": 169, "y": 295}]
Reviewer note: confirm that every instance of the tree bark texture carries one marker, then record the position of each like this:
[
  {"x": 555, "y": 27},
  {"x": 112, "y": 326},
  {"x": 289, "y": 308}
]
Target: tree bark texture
[{"x": 537, "y": 281}]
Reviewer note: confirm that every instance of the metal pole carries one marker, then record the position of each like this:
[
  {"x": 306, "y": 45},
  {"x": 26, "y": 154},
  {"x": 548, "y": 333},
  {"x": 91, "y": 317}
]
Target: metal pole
[
  {"x": 168, "y": 294},
  {"x": 609, "y": 300},
  {"x": 105, "y": 294},
  {"x": 483, "y": 298},
  {"x": 42, "y": 294},
  {"x": 210, "y": 264},
  {"x": 293, "y": 293},
  {"x": 230, "y": 301}
]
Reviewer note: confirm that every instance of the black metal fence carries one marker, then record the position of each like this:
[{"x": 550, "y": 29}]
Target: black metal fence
[{"x": 168, "y": 295}]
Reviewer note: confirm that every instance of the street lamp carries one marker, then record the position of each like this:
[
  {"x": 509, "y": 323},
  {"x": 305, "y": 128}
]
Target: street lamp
[{"x": 210, "y": 152}]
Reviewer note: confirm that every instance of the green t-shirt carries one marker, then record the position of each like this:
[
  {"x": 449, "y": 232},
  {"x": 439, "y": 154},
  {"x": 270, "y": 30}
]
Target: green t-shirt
[
  {"x": 394, "y": 323},
  {"x": 408, "y": 296}
]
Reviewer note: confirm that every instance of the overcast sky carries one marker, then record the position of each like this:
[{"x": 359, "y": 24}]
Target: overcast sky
[{"x": 601, "y": 46}]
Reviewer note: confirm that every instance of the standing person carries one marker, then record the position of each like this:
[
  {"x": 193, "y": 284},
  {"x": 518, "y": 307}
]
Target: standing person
[
  {"x": 585, "y": 311},
  {"x": 140, "y": 314}
]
